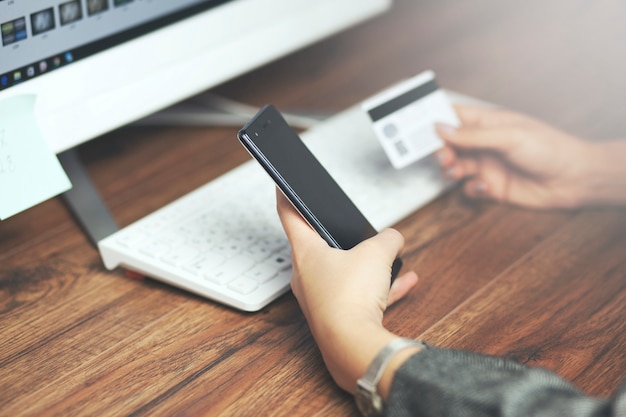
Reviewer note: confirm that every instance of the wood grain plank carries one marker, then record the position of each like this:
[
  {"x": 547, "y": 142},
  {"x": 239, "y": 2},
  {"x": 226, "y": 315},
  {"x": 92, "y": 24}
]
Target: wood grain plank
[
  {"x": 561, "y": 307},
  {"x": 457, "y": 249}
]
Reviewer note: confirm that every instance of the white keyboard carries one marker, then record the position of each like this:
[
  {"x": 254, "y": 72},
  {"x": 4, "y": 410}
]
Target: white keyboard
[{"x": 224, "y": 240}]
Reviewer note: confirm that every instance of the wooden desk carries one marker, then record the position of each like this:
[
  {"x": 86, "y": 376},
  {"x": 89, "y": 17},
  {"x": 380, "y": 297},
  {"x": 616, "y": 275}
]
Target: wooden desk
[{"x": 546, "y": 288}]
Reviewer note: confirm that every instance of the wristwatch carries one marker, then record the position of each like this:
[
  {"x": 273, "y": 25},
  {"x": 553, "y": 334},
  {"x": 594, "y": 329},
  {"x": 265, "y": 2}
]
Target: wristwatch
[{"x": 368, "y": 400}]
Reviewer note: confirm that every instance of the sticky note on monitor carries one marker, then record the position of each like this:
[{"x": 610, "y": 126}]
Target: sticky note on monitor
[{"x": 29, "y": 171}]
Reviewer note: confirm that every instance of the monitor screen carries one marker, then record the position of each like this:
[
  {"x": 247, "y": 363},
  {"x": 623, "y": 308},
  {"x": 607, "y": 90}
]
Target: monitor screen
[
  {"x": 95, "y": 65},
  {"x": 39, "y": 36}
]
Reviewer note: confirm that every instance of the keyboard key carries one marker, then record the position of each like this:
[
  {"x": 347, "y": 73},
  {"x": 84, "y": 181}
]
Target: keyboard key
[
  {"x": 220, "y": 276},
  {"x": 257, "y": 252},
  {"x": 181, "y": 255},
  {"x": 262, "y": 272},
  {"x": 228, "y": 249},
  {"x": 243, "y": 285},
  {"x": 208, "y": 262},
  {"x": 229, "y": 270},
  {"x": 274, "y": 242},
  {"x": 281, "y": 260},
  {"x": 155, "y": 248}
]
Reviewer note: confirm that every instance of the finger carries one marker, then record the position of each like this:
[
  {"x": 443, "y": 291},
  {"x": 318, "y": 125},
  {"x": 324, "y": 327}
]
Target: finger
[
  {"x": 286, "y": 211},
  {"x": 446, "y": 157},
  {"x": 401, "y": 287},
  {"x": 503, "y": 139},
  {"x": 296, "y": 228},
  {"x": 478, "y": 189},
  {"x": 485, "y": 116},
  {"x": 464, "y": 166},
  {"x": 386, "y": 246},
  {"x": 390, "y": 240},
  {"x": 283, "y": 205},
  {"x": 491, "y": 181}
]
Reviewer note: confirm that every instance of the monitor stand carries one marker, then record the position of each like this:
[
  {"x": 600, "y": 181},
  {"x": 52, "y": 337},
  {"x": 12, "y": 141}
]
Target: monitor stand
[
  {"x": 209, "y": 109},
  {"x": 84, "y": 201}
]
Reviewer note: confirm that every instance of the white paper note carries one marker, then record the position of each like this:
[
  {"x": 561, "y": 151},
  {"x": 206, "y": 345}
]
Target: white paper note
[{"x": 29, "y": 171}]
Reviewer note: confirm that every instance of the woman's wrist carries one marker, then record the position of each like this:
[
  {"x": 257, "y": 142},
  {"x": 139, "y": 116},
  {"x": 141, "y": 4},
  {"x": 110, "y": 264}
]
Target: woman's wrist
[
  {"x": 348, "y": 351},
  {"x": 348, "y": 347}
]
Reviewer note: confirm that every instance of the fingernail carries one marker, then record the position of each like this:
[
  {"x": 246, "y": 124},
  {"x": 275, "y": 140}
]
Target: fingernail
[
  {"x": 452, "y": 173},
  {"x": 479, "y": 188},
  {"x": 441, "y": 157},
  {"x": 445, "y": 129}
]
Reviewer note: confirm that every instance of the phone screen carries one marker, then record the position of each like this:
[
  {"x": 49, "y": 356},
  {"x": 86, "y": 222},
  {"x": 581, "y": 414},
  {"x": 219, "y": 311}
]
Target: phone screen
[{"x": 304, "y": 180}]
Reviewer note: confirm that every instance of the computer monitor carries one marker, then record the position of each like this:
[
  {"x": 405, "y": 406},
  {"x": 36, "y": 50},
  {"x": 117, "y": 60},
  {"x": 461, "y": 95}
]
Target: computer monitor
[{"x": 95, "y": 65}]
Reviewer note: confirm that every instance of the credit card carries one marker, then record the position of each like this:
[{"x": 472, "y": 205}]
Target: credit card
[{"x": 404, "y": 117}]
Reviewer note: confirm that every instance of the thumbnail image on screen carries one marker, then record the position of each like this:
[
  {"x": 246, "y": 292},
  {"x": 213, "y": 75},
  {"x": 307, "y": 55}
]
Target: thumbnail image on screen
[
  {"x": 42, "y": 21},
  {"x": 70, "y": 12},
  {"x": 96, "y": 6}
]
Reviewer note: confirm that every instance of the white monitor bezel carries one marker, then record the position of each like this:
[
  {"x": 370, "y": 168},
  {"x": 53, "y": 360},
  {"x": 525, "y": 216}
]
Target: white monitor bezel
[{"x": 87, "y": 98}]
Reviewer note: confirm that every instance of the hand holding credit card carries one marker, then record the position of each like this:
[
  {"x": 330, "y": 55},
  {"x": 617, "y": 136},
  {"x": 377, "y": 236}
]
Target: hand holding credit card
[{"x": 404, "y": 118}]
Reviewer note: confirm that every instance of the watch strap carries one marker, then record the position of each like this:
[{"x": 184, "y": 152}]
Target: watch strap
[{"x": 369, "y": 401}]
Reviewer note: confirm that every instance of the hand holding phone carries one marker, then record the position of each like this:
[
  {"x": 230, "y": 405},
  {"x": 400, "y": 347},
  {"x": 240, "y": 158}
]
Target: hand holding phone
[{"x": 304, "y": 181}]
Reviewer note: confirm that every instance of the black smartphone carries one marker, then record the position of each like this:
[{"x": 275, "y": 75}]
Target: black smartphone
[{"x": 304, "y": 181}]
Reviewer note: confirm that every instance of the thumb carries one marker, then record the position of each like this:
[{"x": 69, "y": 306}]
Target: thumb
[
  {"x": 401, "y": 287},
  {"x": 496, "y": 139},
  {"x": 389, "y": 240}
]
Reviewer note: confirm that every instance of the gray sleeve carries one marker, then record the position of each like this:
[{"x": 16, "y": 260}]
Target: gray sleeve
[{"x": 441, "y": 382}]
